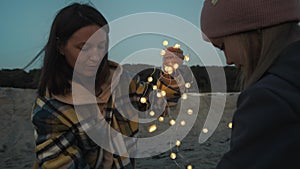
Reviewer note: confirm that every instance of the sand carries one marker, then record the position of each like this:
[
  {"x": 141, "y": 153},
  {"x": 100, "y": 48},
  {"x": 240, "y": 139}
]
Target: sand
[{"x": 17, "y": 140}]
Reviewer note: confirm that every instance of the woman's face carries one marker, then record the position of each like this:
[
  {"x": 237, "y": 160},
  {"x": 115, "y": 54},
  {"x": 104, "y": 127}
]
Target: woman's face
[
  {"x": 232, "y": 48},
  {"x": 85, "y": 49}
]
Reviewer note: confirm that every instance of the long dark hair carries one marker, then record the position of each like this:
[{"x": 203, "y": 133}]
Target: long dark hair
[{"x": 56, "y": 73}]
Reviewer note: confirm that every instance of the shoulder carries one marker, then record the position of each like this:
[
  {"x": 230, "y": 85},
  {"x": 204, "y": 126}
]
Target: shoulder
[
  {"x": 260, "y": 108},
  {"x": 50, "y": 104},
  {"x": 49, "y": 110},
  {"x": 269, "y": 97},
  {"x": 272, "y": 86},
  {"x": 262, "y": 92}
]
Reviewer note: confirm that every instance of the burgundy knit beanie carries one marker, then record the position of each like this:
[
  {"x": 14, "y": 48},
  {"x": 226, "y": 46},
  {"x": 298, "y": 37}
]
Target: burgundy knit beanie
[{"x": 225, "y": 17}]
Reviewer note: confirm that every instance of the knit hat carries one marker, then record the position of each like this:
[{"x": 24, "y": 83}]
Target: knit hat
[
  {"x": 176, "y": 51},
  {"x": 225, "y": 17}
]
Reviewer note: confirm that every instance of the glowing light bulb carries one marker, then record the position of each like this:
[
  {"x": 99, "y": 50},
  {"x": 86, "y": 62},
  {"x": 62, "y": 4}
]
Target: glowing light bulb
[
  {"x": 173, "y": 156},
  {"x": 152, "y": 128},
  {"x": 187, "y": 58},
  {"x": 143, "y": 100},
  {"x": 168, "y": 69},
  {"x": 177, "y": 45},
  {"x": 189, "y": 167},
  {"x": 178, "y": 143},
  {"x": 190, "y": 111},
  {"x": 163, "y": 93},
  {"x": 151, "y": 113},
  {"x": 172, "y": 122},
  {"x": 183, "y": 123},
  {"x": 230, "y": 125},
  {"x": 184, "y": 96},
  {"x": 165, "y": 43},
  {"x": 175, "y": 66},
  {"x": 161, "y": 119},
  {"x": 158, "y": 94},
  {"x": 150, "y": 79},
  {"x": 187, "y": 85},
  {"x": 154, "y": 87},
  {"x": 205, "y": 130},
  {"x": 162, "y": 52}
]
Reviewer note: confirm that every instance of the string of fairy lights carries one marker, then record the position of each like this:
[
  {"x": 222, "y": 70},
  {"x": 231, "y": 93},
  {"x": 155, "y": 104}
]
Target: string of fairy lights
[
  {"x": 172, "y": 122},
  {"x": 152, "y": 128},
  {"x": 169, "y": 70}
]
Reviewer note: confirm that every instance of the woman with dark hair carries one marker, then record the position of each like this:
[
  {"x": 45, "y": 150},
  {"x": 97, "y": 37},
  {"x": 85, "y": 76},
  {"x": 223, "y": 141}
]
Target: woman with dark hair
[
  {"x": 76, "y": 55},
  {"x": 262, "y": 38},
  {"x": 56, "y": 72}
]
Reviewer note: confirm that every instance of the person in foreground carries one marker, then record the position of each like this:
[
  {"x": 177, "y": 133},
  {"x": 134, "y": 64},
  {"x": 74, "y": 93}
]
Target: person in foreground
[
  {"x": 262, "y": 38},
  {"x": 76, "y": 61}
]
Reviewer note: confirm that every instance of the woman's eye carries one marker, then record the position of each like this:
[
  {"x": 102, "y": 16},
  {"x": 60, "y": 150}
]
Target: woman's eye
[{"x": 86, "y": 48}]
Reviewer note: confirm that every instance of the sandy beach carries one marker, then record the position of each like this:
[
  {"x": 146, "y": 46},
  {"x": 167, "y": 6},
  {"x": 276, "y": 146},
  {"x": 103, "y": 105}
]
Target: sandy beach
[{"x": 17, "y": 140}]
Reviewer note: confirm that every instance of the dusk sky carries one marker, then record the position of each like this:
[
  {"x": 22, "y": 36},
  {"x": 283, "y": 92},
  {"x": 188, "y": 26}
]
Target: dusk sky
[{"x": 26, "y": 24}]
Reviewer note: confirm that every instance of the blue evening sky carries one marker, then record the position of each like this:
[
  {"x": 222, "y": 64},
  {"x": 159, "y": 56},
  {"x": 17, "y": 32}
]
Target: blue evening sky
[{"x": 25, "y": 25}]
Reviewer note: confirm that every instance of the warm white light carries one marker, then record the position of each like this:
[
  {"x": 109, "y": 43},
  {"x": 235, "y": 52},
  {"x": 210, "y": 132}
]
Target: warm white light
[
  {"x": 168, "y": 69},
  {"x": 158, "y": 94},
  {"x": 165, "y": 43},
  {"x": 183, "y": 123},
  {"x": 205, "y": 130},
  {"x": 184, "y": 96},
  {"x": 161, "y": 119},
  {"x": 172, "y": 122},
  {"x": 187, "y": 85},
  {"x": 163, "y": 93},
  {"x": 177, "y": 45},
  {"x": 143, "y": 100},
  {"x": 230, "y": 125},
  {"x": 178, "y": 143},
  {"x": 187, "y": 58},
  {"x": 189, "y": 167},
  {"x": 152, "y": 128},
  {"x": 190, "y": 111},
  {"x": 154, "y": 87},
  {"x": 175, "y": 66},
  {"x": 173, "y": 156},
  {"x": 150, "y": 79},
  {"x": 162, "y": 52},
  {"x": 151, "y": 113}
]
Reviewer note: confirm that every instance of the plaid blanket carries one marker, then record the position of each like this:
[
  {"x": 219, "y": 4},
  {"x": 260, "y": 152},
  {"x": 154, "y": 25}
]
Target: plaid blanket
[{"x": 61, "y": 141}]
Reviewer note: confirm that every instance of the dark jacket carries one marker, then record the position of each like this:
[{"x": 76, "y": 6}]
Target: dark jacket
[{"x": 266, "y": 124}]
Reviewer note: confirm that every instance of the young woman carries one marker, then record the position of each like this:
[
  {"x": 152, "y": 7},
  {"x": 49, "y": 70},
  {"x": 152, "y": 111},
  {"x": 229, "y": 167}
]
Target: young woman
[
  {"x": 262, "y": 38},
  {"x": 76, "y": 55}
]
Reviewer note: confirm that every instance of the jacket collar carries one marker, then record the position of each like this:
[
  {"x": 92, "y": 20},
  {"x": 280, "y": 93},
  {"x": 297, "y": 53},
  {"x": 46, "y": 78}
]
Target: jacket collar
[
  {"x": 83, "y": 96},
  {"x": 287, "y": 66}
]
